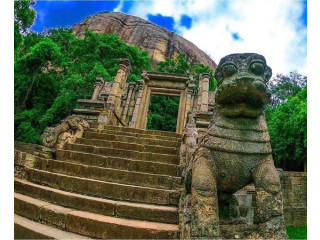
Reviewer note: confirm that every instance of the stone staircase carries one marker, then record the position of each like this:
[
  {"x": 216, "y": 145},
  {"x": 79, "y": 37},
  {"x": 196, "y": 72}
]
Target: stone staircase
[{"x": 114, "y": 183}]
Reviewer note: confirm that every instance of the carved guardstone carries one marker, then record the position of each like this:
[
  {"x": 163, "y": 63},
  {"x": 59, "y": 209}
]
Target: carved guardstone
[
  {"x": 68, "y": 131},
  {"x": 234, "y": 152}
]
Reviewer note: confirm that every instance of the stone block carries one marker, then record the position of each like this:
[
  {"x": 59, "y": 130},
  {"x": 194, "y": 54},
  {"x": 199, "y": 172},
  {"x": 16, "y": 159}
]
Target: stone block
[
  {"x": 98, "y": 226},
  {"x": 147, "y": 212},
  {"x": 54, "y": 215},
  {"x": 27, "y": 207},
  {"x": 67, "y": 168}
]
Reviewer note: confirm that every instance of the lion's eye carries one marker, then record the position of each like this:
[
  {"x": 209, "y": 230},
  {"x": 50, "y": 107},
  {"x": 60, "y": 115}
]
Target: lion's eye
[
  {"x": 228, "y": 70},
  {"x": 257, "y": 68}
]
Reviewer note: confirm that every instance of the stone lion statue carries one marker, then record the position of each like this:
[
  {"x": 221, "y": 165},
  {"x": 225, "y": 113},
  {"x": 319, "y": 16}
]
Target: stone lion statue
[
  {"x": 235, "y": 152},
  {"x": 68, "y": 131}
]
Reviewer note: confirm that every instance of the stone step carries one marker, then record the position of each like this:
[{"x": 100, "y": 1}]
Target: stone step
[
  {"x": 103, "y": 189},
  {"x": 105, "y": 227},
  {"x": 128, "y": 146},
  {"x": 149, "y": 212},
  {"x": 122, "y": 153},
  {"x": 133, "y": 134},
  {"x": 40, "y": 211},
  {"x": 93, "y": 225},
  {"x": 118, "y": 163},
  {"x": 108, "y": 174},
  {"x": 27, "y": 229},
  {"x": 138, "y": 131},
  {"x": 131, "y": 139}
]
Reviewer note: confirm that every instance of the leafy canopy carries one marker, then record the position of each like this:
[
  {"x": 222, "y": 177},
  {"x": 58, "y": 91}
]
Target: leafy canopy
[
  {"x": 287, "y": 121},
  {"x": 54, "y": 69},
  {"x": 23, "y": 18}
]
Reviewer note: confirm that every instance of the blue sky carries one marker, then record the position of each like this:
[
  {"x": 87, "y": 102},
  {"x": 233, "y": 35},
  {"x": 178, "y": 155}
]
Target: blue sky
[
  {"x": 275, "y": 28},
  {"x": 67, "y": 13}
]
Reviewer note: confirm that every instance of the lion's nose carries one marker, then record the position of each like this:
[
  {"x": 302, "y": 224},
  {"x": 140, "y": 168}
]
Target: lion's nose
[
  {"x": 243, "y": 76},
  {"x": 259, "y": 85}
]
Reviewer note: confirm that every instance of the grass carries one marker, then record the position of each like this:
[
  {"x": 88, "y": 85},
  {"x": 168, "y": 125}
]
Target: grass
[{"x": 297, "y": 232}]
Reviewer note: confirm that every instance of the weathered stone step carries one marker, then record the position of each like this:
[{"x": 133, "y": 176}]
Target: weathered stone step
[
  {"x": 132, "y": 139},
  {"x": 27, "y": 229},
  {"x": 128, "y": 146},
  {"x": 104, "y": 189},
  {"x": 40, "y": 211},
  {"x": 138, "y": 131},
  {"x": 136, "y": 155},
  {"x": 104, "y": 227},
  {"x": 108, "y": 174},
  {"x": 138, "y": 135},
  {"x": 149, "y": 212},
  {"x": 90, "y": 224},
  {"x": 118, "y": 163}
]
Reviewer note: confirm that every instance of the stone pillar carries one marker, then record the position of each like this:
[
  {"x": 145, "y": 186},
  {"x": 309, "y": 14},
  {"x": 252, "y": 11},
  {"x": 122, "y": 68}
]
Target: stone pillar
[
  {"x": 204, "y": 80},
  {"x": 190, "y": 90},
  {"x": 134, "y": 118},
  {"x": 126, "y": 106},
  {"x": 97, "y": 89},
  {"x": 114, "y": 99},
  {"x": 132, "y": 103}
]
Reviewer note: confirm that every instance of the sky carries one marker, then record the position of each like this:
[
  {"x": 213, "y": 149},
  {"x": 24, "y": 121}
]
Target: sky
[{"x": 276, "y": 29}]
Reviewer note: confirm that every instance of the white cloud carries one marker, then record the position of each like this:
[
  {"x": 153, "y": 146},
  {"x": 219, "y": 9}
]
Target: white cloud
[
  {"x": 269, "y": 27},
  {"x": 119, "y": 7}
]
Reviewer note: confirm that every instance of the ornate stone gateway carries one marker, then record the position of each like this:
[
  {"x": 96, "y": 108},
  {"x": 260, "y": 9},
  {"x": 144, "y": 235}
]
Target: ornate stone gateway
[
  {"x": 126, "y": 104},
  {"x": 163, "y": 84}
]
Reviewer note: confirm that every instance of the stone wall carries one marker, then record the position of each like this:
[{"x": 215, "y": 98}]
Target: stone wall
[{"x": 294, "y": 189}]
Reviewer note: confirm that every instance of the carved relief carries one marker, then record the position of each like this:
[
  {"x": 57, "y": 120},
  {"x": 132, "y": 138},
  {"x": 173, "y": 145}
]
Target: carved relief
[{"x": 68, "y": 131}]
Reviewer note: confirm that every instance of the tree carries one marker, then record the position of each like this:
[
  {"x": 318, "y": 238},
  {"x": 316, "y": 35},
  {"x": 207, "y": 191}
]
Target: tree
[
  {"x": 283, "y": 86},
  {"x": 163, "y": 113},
  {"x": 287, "y": 122},
  {"x": 55, "y": 69},
  {"x": 181, "y": 66},
  {"x": 23, "y": 19}
]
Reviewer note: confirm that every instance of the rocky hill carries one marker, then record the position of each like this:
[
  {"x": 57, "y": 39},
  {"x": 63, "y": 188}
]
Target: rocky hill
[{"x": 157, "y": 41}]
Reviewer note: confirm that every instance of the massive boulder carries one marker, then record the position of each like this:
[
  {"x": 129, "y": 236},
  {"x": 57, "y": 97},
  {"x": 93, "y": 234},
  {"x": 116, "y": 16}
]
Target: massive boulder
[{"x": 157, "y": 41}]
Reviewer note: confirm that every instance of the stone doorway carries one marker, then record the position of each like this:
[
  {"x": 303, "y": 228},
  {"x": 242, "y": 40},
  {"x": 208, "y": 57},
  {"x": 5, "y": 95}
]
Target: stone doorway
[
  {"x": 156, "y": 83},
  {"x": 163, "y": 113}
]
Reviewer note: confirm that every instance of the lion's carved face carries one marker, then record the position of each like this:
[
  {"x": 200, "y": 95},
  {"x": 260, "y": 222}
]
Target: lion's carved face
[{"x": 242, "y": 90}]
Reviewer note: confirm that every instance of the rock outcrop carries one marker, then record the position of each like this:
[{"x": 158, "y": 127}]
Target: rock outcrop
[{"x": 157, "y": 41}]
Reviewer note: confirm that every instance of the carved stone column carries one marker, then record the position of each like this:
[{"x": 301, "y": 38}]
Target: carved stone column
[
  {"x": 190, "y": 91},
  {"x": 97, "y": 89},
  {"x": 126, "y": 106},
  {"x": 134, "y": 118},
  {"x": 204, "y": 79},
  {"x": 111, "y": 115},
  {"x": 114, "y": 99},
  {"x": 132, "y": 103}
]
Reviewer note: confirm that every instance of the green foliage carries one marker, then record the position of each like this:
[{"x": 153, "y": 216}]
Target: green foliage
[
  {"x": 287, "y": 125},
  {"x": 23, "y": 18},
  {"x": 181, "y": 66},
  {"x": 55, "y": 69},
  {"x": 163, "y": 112},
  {"x": 283, "y": 86},
  {"x": 297, "y": 232},
  {"x": 160, "y": 104}
]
